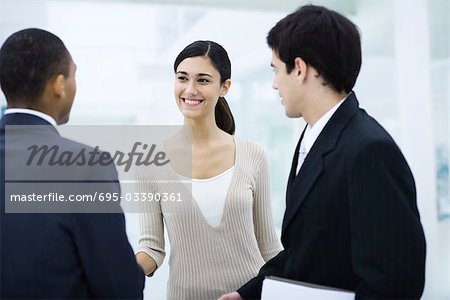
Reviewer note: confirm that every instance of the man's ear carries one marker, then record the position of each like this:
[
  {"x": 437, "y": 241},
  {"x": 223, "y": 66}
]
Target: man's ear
[
  {"x": 57, "y": 84},
  {"x": 225, "y": 87},
  {"x": 300, "y": 68}
]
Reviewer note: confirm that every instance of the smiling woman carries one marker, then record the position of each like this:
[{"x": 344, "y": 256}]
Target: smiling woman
[
  {"x": 203, "y": 76},
  {"x": 197, "y": 93},
  {"x": 226, "y": 220}
]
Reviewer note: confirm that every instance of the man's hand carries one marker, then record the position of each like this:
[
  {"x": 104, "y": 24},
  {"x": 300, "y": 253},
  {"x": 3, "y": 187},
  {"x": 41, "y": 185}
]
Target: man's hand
[{"x": 231, "y": 296}]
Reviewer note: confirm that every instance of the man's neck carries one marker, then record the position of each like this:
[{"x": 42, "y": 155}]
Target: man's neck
[
  {"x": 37, "y": 106},
  {"x": 322, "y": 103}
]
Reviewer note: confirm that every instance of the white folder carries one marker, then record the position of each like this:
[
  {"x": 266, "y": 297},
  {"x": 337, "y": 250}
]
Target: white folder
[{"x": 276, "y": 288}]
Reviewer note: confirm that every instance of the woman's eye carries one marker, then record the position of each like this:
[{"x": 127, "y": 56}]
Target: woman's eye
[
  {"x": 203, "y": 80},
  {"x": 181, "y": 78}
]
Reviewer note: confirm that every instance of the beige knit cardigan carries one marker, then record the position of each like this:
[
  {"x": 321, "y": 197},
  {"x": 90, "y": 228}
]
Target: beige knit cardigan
[{"x": 206, "y": 262}]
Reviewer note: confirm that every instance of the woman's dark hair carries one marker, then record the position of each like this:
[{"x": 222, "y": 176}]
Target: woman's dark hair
[{"x": 220, "y": 60}]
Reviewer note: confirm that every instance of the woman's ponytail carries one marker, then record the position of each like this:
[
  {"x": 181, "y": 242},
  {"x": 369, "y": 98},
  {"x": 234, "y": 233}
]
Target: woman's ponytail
[{"x": 224, "y": 117}]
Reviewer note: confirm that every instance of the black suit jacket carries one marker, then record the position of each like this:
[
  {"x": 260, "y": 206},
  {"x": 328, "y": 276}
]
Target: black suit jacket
[
  {"x": 351, "y": 218},
  {"x": 63, "y": 255}
]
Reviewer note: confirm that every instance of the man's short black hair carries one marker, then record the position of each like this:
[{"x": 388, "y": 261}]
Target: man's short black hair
[
  {"x": 28, "y": 59},
  {"x": 324, "y": 39}
]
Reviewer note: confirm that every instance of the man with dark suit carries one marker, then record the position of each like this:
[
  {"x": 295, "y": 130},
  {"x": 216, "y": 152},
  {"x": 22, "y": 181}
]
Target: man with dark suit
[
  {"x": 351, "y": 218},
  {"x": 54, "y": 253}
]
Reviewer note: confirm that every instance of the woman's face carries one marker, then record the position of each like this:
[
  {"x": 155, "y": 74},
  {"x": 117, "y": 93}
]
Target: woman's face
[{"x": 198, "y": 87}]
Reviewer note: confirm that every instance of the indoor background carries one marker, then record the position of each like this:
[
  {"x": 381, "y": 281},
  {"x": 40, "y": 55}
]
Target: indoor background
[{"x": 124, "y": 51}]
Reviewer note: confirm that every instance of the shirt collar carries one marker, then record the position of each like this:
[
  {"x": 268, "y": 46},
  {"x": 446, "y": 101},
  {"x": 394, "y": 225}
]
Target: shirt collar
[
  {"x": 31, "y": 112},
  {"x": 313, "y": 132}
]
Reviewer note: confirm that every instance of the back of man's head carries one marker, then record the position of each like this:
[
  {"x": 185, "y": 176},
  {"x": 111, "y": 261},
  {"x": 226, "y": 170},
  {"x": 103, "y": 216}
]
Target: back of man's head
[
  {"x": 28, "y": 60},
  {"x": 324, "y": 39}
]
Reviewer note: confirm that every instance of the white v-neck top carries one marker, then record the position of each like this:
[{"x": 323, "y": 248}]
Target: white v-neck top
[
  {"x": 210, "y": 194},
  {"x": 205, "y": 261}
]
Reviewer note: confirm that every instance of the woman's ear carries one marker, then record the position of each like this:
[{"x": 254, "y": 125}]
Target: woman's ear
[{"x": 225, "y": 87}]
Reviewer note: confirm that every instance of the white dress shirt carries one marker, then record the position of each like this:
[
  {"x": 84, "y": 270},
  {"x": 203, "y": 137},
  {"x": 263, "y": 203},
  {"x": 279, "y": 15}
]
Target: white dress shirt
[
  {"x": 31, "y": 112},
  {"x": 313, "y": 132}
]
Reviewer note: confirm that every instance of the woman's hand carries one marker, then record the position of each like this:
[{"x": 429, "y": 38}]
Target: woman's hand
[
  {"x": 231, "y": 296},
  {"x": 147, "y": 263}
]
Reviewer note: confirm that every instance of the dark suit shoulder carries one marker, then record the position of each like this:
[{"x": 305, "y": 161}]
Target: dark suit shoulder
[
  {"x": 364, "y": 129},
  {"x": 69, "y": 144}
]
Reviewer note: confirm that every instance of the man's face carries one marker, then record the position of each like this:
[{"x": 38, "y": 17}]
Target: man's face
[
  {"x": 70, "y": 88},
  {"x": 288, "y": 86}
]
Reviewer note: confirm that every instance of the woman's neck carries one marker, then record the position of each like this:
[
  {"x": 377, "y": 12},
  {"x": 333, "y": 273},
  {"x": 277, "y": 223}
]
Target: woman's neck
[{"x": 203, "y": 132}]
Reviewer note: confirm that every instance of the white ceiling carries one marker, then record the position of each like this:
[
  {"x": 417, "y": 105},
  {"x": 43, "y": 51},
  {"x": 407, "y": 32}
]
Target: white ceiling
[{"x": 346, "y": 6}]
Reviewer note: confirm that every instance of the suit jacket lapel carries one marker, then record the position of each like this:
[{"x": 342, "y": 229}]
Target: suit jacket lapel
[
  {"x": 300, "y": 185},
  {"x": 294, "y": 164}
]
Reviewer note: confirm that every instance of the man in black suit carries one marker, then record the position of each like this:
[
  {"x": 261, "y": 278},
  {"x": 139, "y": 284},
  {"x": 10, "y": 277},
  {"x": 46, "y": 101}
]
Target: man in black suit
[
  {"x": 351, "y": 218},
  {"x": 54, "y": 253}
]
